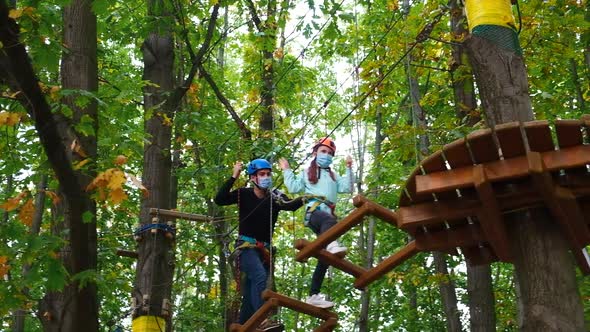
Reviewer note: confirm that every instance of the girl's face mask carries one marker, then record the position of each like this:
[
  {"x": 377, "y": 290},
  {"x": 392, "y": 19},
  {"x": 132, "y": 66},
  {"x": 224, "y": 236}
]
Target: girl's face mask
[
  {"x": 323, "y": 160},
  {"x": 265, "y": 182}
]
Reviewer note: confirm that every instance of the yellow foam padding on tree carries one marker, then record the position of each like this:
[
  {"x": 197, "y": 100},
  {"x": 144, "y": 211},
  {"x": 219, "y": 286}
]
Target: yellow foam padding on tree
[
  {"x": 489, "y": 12},
  {"x": 148, "y": 324}
]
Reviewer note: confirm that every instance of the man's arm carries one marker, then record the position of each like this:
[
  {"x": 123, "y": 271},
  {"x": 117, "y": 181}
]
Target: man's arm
[{"x": 224, "y": 196}]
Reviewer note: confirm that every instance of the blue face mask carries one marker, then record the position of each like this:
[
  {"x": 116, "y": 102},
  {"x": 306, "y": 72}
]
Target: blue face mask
[
  {"x": 265, "y": 183},
  {"x": 323, "y": 160}
]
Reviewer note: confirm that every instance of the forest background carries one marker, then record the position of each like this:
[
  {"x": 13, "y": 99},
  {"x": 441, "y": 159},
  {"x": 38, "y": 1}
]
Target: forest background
[{"x": 258, "y": 79}]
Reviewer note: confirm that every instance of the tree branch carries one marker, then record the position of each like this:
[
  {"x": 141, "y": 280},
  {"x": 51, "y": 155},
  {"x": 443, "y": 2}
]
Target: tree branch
[
  {"x": 246, "y": 133},
  {"x": 196, "y": 61},
  {"x": 16, "y": 63},
  {"x": 254, "y": 13}
]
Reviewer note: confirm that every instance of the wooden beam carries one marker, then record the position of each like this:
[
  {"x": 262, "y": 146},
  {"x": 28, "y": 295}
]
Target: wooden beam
[
  {"x": 490, "y": 216},
  {"x": 376, "y": 210},
  {"x": 387, "y": 265},
  {"x": 461, "y": 236},
  {"x": 327, "y": 326},
  {"x": 501, "y": 170},
  {"x": 179, "y": 215},
  {"x": 424, "y": 214},
  {"x": 333, "y": 260},
  {"x": 561, "y": 202},
  {"x": 127, "y": 253},
  {"x": 299, "y": 306},
  {"x": 257, "y": 318},
  {"x": 354, "y": 218}
]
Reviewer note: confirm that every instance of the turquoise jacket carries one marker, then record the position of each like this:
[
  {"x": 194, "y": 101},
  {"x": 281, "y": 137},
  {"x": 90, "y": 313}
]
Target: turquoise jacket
[{"x": 324, "y": 187}]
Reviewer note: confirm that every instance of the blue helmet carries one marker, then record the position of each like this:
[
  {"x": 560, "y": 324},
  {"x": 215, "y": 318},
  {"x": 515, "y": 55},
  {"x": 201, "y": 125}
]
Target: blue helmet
[{"x": 256, "y": 165}]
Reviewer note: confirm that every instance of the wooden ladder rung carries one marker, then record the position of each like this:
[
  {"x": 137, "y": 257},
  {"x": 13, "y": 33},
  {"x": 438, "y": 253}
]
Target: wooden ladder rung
[
  {"x": 386, "y": 265},
  {"x": 332, "y": 259}
]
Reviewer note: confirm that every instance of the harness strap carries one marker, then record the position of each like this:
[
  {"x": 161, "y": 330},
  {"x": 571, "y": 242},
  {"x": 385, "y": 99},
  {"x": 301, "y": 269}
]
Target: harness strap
[{"x": 251, "y": 243}]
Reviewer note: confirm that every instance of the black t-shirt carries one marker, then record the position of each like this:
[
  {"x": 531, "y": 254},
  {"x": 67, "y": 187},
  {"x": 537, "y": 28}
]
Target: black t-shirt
[{"x": 255, "y": 212}]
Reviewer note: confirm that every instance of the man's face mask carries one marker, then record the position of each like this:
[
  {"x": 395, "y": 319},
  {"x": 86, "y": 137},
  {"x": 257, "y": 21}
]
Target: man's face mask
[
  {"x": 323, "y": 160},
  {"x": 265, "y": 182}
]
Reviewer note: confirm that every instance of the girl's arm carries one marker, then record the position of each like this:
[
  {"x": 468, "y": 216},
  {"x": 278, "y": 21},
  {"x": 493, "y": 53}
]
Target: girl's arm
[
  {"x": 294, "y": 183},
  {"x": 345, "y": 183}
]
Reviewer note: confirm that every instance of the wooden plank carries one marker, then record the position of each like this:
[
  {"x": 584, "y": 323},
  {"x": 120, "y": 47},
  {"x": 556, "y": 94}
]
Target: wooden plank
[
  {"x": 291, "y": 303},
  {"x": 386, "y": 265},
  {"x": 510, "y": 139},
  {"x": 376, "y": 210},
  {"x": 482, "y": 146},
  {"x": 457, "y": 154},
  {"x": 327, "y": 326},
  {"x": 569, "y": 133},
  {"x": 127, "y": 253},
  {"x": 561, "y": 203},
  {"x": 490, "y": 216},
  {"x": 409, "y": 196},
  {"x": 539, "y": 136},
  {"x": 172, "y": 214},
  {"x": 431, "y": 213},
  {"x": 351, "y": 220},
  {"x": 457, "y": 236},
  {"x": 256, "y": 319},
  {"x": 502, "y": 170},
  {"x": 333, "y": 260}
]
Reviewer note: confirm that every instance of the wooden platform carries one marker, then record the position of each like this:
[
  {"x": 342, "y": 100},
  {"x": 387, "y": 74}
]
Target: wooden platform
[{"x": 458, "y": 196}]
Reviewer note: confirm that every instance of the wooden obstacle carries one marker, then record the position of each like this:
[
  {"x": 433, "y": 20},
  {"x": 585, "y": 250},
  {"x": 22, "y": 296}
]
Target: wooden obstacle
[
  {"x": 274, "y": 300},
  {"x": 458, "y": 197}
]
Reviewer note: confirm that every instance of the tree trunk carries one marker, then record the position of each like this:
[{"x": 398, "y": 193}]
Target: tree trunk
[
  {"x": 76, "y": 308},
  {"x": 447, "y": 292},
  {"x": 550, "y": 298},
  {"x": 155, "y": 265},
  {"x": 482, "y": 314},
  {"x": 480, "y": 291}
]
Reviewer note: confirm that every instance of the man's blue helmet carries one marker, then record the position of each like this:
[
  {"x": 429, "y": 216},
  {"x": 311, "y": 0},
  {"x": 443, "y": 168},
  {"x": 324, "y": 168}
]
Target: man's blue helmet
[{"x": 258, "y": 164}]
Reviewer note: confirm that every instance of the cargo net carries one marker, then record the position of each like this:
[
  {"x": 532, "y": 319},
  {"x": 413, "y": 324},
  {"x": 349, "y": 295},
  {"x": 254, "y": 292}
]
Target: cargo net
[{"x": 505, "y": 38}]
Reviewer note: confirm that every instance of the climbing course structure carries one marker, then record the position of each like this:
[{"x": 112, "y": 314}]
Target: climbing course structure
[{"x": 458, "y": 198}]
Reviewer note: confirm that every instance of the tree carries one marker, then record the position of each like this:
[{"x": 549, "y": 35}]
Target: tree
[{"x": 543, "y": 267}]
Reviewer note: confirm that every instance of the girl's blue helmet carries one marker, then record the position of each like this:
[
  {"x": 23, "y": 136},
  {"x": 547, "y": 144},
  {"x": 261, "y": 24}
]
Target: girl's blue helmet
[{"x": 257, "y": 164}]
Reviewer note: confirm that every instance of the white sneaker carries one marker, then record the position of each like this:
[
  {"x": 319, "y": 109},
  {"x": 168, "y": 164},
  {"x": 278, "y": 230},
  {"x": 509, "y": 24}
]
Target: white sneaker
[
  {"x": 336, "y": 248},
  {"x": 319, "y": 300}
]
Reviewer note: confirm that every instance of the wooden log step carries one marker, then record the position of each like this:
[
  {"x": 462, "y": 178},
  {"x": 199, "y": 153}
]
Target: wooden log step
[{"x": 334, "y": 260}]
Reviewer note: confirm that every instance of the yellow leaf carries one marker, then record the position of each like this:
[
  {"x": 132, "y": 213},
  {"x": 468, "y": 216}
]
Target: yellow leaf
[
  {"x": 4, "y": 266},
  {"x": 118, "y": 195},
  {"x": 117, "y": 179},
  {"x": 13, "y": 119},
  {"x": 15, "y": 13},
  {"x": 81, "y": 163},
  {"x": 26, "y": 213},
  {"x": 13, "y": 203}
]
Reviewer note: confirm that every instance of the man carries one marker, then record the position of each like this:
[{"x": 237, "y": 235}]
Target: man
[{"x": 258, "y": 210}]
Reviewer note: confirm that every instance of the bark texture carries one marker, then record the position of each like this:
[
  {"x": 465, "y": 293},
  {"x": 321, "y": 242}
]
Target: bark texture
[{"x": 549, "y": 297}]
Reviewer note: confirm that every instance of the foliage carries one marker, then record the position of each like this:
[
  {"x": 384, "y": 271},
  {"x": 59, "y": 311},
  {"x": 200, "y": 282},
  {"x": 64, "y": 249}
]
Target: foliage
[{"x": 348, "y": 72}]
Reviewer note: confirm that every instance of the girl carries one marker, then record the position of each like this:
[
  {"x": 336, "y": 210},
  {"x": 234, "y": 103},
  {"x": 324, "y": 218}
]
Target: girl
[{"x": 323, "y": 185}]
